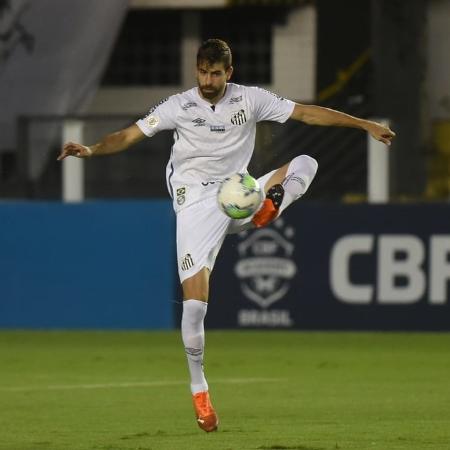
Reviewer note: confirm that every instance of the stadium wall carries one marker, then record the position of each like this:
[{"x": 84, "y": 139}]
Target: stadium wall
[
  {"x": 95, "y": 265},
  {"x": 111, "y": 265},
  {"x": 338, "y": 267}
]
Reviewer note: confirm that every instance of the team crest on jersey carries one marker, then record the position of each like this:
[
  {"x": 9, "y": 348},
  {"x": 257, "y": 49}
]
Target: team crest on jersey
[
  {"x": 152, "y": 121},
  {"x": 239, "y": 118}
]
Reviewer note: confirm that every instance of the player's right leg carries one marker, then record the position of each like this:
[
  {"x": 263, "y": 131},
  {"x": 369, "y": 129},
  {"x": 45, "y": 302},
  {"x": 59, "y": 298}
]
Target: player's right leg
[{"x": 283, "y": 186}]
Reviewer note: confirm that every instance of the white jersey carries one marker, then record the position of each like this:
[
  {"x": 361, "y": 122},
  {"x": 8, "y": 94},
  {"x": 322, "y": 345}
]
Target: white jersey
[{"x": 211, "y": 142}]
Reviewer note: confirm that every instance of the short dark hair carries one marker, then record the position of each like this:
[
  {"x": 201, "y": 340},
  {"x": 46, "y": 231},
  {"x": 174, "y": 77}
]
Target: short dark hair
[{"x": 214, "y": 51}]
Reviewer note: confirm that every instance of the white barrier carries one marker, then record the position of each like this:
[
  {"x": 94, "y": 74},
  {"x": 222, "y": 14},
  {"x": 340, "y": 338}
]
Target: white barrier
[
  {"x": 377, "y": 169},
  {"x": 73, "y": 168}
]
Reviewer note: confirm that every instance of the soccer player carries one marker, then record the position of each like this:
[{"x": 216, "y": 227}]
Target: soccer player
[{"x": 214, "y": 126}]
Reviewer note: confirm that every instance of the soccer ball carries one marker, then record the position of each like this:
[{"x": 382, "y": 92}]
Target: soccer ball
[{"x": 239, "y": 196}]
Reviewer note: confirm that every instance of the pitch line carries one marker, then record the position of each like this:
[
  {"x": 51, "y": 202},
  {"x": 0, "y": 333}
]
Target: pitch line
[{"x": 134, "y": 384}]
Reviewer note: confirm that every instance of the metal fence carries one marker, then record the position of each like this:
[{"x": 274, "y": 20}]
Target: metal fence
[{"x": 140, "y": 172}]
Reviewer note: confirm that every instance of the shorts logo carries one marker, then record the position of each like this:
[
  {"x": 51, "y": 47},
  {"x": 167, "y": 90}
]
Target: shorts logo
[
  {"x": 152, "y": 121},
  {"x": 238, "y": 118},
  {"x": 187, "y": 262},
  {"x": 198, "y": 122},
  {"x": 181, "y": 195}
]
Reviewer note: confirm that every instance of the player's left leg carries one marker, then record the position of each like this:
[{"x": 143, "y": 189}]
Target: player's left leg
[
  {"x": 284, "y": 186},
  {"x": 195, "y": 305},
  {"x": 195, "y": 298},
  {"x": 201, "y": 229}
]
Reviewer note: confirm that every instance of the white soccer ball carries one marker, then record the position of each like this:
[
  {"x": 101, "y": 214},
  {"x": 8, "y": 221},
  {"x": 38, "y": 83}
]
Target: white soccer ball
[{"x": 239, "y": 196}]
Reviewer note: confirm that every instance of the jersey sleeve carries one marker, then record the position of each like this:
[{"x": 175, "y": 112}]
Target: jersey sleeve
[
  {"x": 160, "y": 117},
  {"x": 270, "y": 106}
]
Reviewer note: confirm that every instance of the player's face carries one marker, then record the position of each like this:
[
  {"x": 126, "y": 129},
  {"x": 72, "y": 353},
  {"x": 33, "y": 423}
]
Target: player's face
[{"x": 212, "y": 80}]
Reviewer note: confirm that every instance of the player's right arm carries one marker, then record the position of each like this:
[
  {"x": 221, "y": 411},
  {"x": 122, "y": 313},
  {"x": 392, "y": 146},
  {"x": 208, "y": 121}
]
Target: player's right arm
[{"x": 112, "y": 143}]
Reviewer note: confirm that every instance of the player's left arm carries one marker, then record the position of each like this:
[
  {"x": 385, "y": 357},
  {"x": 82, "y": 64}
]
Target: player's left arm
[{"x": 318, "y": 115}]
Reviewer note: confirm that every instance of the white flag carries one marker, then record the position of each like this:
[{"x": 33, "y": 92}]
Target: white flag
[{"x": 52, "y": 56}]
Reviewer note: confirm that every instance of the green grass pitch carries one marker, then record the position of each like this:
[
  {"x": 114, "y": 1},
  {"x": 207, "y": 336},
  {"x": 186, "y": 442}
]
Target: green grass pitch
[{"x": 272, "y": 390}]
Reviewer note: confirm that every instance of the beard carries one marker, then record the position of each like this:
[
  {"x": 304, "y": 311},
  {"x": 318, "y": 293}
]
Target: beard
[{"x": 209, "y": 92}]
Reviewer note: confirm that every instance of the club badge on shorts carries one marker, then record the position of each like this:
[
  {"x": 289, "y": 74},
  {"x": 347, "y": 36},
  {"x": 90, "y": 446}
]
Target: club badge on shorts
[{"x": 187, "y": 262}]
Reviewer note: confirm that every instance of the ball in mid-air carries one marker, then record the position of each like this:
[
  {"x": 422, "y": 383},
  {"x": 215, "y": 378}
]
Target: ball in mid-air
[{"x": 239, "y": 196}]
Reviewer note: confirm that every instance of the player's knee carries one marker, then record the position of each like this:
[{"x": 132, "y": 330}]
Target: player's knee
[{"x": 306, "y": 164}]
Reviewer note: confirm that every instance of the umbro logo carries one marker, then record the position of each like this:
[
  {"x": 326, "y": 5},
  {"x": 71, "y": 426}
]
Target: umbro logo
[
  {"x": 187, "y": 262},
  {"x": 198, "y": 122},
  {"x": 239, "y": 118}
]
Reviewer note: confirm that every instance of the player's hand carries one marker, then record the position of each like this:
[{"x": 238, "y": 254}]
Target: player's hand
[
  {"x": 380, "y": 132},
  {"x": 73, "y": 149}
]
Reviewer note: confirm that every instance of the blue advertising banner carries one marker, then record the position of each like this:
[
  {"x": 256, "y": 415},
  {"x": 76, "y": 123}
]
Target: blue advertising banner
[
  {"x": 96, "y": 265},
  {"x": 355, "y": 267}
]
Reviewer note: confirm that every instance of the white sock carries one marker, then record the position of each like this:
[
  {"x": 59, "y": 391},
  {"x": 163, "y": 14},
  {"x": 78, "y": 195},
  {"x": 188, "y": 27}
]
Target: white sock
[
  {"x": 193, "y": 334},
  {"x": 300, "y": 173}
]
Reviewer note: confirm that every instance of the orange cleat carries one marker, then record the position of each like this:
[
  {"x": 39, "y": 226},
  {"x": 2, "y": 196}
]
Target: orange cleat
[
  {"x": 270, "y": 206},
  {"x": 206, "y": 416}
]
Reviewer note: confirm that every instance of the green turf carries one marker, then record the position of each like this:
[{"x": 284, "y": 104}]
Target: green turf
[{"x": 272, "y": 390}]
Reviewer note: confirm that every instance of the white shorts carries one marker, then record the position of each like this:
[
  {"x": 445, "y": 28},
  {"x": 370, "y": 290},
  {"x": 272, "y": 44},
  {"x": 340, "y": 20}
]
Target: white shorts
[{"x": 201, "y": 230}]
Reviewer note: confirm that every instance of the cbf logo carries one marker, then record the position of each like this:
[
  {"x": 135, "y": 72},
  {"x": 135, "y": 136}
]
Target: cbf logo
[{"x": 265, "y": 270}]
